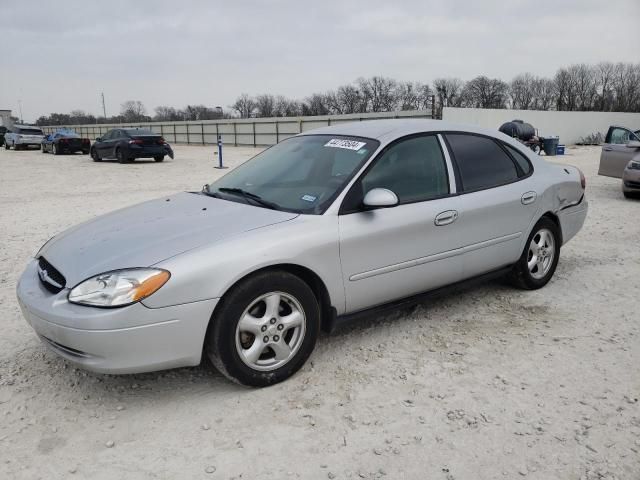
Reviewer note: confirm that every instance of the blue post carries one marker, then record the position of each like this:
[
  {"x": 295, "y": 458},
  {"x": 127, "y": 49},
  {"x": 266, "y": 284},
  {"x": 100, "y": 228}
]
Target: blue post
[{"x": 220, "y": 153}]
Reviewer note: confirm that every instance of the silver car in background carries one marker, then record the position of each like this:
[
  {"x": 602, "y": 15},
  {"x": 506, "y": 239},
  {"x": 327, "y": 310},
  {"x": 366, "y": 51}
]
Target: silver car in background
[
  {"x": 620, "y": 158},
  {"x": 311, "y": 232}
]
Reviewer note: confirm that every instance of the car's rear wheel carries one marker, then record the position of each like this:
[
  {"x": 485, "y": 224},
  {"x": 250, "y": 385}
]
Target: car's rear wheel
[
  {"x": 264, "y": 329},
  {"x": 42, "y": 148},
  {"x": 159, "y": 158},
  {"x": 539, "y": 259},
  {"x": 95, "y": 156},
  {"x": 6, "y": 145},
  {"x": 54, "y": 149}
]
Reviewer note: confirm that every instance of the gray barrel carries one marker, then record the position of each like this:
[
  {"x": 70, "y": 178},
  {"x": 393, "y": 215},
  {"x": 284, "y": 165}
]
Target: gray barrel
[
  {"x": 518, "y": 129},
  {"x": 550, "y": 145}
]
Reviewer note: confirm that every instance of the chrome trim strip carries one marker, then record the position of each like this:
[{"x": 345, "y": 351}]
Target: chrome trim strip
[
  {"x": 434, "y": 257},
  {"x": 450, "y": 174}
]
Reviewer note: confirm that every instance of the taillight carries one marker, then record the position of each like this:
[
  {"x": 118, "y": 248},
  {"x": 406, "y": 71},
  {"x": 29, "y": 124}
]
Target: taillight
[
  {"x": 583, "y": 181},
  {"x": 136, "y": 141},
  {"x": 162, "y": 141},
  {"x": 85, "y": 140}
]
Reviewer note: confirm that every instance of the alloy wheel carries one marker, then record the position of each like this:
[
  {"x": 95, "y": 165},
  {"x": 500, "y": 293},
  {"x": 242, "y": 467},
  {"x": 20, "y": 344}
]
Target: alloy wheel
[
  {"x": 542, "y": 251},
  {"x": 270, "y": 331}
]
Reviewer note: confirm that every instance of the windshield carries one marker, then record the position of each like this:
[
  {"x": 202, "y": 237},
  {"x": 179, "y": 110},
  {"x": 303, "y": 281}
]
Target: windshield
[{"x": 301, "y": 174}]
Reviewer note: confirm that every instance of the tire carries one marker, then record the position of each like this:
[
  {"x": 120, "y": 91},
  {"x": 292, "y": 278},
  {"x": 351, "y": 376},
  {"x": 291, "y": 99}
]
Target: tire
[
  {"x": 95, "y": 156},
  {"x": 6, "y": 146},
  {"x": 159, "y": 159},
  {"x": 120, "y": 156},
  {"x": 545, "y": 235},
  {"x": 42, "y": 150},
  {"x": 54, "y": 149},
  {"x": 249, "y": 356}
]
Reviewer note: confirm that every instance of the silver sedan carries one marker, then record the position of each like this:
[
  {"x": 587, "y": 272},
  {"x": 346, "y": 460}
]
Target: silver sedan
[{"x": 314, "y": 231}]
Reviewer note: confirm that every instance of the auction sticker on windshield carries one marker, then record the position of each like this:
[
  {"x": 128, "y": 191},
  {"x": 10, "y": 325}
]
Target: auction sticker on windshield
[{"x": 348, "y": 144}]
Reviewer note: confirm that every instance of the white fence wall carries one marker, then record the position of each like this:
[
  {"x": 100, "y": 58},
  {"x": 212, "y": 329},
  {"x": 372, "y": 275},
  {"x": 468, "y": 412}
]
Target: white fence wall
[
  {"x": 252, "y": 131},
  {"x": 569, "y": 126}
]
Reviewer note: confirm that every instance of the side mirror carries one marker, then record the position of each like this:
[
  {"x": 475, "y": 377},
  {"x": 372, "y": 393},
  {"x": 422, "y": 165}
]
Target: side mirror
[
  {"x": 99, "y": 139},
  {"x": 633, "y": 144},
  {"x": 380, "y": 198}
]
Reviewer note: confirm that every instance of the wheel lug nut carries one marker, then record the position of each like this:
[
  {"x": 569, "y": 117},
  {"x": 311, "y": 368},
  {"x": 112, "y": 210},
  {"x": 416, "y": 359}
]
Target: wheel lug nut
[
  {"x": 263, "y": 328},
  {"x": 272, "y": 321},
  {"x": 276, "y": 338},
  {"x": 265, "y": 339},
  {"x": 280, "y": 327}
]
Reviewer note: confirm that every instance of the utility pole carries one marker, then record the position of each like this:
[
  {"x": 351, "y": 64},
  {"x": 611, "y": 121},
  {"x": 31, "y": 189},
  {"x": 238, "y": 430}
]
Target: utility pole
[
  {"x": 104, "y": 110},
  {"x": 20, "y": 108}
]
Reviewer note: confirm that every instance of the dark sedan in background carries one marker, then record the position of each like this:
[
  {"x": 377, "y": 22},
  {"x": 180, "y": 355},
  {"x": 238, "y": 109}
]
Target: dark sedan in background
[
  {"x": 65, "y": 141},
  {"x": 127, "y": 144}
]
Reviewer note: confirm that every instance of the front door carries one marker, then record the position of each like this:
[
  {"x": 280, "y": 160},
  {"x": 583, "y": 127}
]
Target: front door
[
  {"x": 615, "y": 152},
  {"x": 391, "y": 253}
]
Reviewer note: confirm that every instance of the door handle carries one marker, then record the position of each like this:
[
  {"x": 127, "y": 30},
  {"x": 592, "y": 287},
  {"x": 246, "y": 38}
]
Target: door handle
[
  {"x": 446, "y": 217},
  {"x": 528, "y": 198}
]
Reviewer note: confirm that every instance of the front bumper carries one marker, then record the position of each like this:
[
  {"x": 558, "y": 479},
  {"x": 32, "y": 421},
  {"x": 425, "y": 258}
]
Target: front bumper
[
  {"x": 131, "y": 339},
  {"x": 631, "y": 180}
]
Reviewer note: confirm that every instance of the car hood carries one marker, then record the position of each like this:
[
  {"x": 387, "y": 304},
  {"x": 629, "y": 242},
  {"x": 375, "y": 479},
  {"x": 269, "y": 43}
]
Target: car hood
[{"x": 147, "y": 233}]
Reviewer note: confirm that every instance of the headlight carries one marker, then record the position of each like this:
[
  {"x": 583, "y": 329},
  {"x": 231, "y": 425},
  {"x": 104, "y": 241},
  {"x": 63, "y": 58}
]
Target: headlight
[
  {"x": 633, "y": 165},
  {"x": 119, "y": 288}
]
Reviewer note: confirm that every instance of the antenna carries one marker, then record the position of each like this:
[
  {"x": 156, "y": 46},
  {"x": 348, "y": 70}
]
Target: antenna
[{"x": 104, "y": 110}]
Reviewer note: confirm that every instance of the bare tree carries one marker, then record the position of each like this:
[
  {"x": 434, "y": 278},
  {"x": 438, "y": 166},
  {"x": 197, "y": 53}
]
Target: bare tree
[
  {"x": 378, "y": 93},
  {"x": 286, "y": 108},
  {"x": 606, "y": 76},
  {"x": 265, "y": 105},
  {"x": 315, "y": 104},
  {"x": 543, "y": 94},
  {"x": 448, "y": 91},
  {"x": 521, "y": 91},
  {"x": 484, "y": 92},
  {"x": 133, "y": 111},
  {"x": 244, "y": 105},
  {"x": 167, "y": 114}
]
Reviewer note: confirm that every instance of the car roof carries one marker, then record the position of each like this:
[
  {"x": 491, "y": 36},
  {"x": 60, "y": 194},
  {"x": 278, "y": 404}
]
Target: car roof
[{"x": 388, "y": 130}]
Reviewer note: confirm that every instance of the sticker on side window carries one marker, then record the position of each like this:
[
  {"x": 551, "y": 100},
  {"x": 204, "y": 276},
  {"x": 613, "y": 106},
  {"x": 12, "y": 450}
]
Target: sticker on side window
[{"x": 348, "y": 144}]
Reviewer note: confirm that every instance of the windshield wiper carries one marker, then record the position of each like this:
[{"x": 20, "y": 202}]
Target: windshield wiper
[{"x": 249, "y": 196}]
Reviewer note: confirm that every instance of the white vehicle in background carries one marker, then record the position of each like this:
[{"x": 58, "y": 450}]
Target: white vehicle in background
[{"x": 23, "y": 136}]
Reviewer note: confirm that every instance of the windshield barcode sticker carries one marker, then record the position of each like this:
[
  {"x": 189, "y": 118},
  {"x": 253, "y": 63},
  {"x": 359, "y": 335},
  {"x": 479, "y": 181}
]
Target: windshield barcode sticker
[{"x": 348, "y": 144}]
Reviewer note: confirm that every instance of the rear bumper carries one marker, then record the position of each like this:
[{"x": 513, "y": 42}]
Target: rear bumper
[
  {"x": 149, "y": 151},
  {"x": 131, "y": 339},
  {"x": 572, "y": 219}
]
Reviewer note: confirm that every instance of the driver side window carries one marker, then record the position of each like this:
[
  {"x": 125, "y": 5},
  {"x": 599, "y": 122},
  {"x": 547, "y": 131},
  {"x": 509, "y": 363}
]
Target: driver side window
[
  {"x": 414, "y": 169},
  {"x": 621, "y": 136}
]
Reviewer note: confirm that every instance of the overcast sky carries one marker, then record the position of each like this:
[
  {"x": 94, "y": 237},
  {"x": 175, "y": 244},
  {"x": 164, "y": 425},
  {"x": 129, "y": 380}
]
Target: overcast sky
[{"x": 60, "y": 55}]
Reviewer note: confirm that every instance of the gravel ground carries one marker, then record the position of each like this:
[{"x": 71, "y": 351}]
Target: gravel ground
[{"x": 491, "y": 383}]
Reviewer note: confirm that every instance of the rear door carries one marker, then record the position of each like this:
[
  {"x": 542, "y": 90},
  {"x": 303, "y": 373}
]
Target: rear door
[
  {"x": 615, "y": 154},
  {"x": 497, "y": 197},
  {"x": 391, "y": 253}
]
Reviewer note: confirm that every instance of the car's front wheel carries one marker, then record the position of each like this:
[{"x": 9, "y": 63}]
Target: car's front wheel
[
  {"x": 539, "y": 259},
  {"x": 95, "y": 156},
  {"x": 54, "y": 149},
  {"x": 264, "y": 329}
]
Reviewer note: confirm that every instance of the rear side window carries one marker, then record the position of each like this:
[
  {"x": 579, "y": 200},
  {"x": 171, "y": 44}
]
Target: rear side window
[
  {"x": 481, "y": 162},
  {"x": 520, "y": 159}
]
